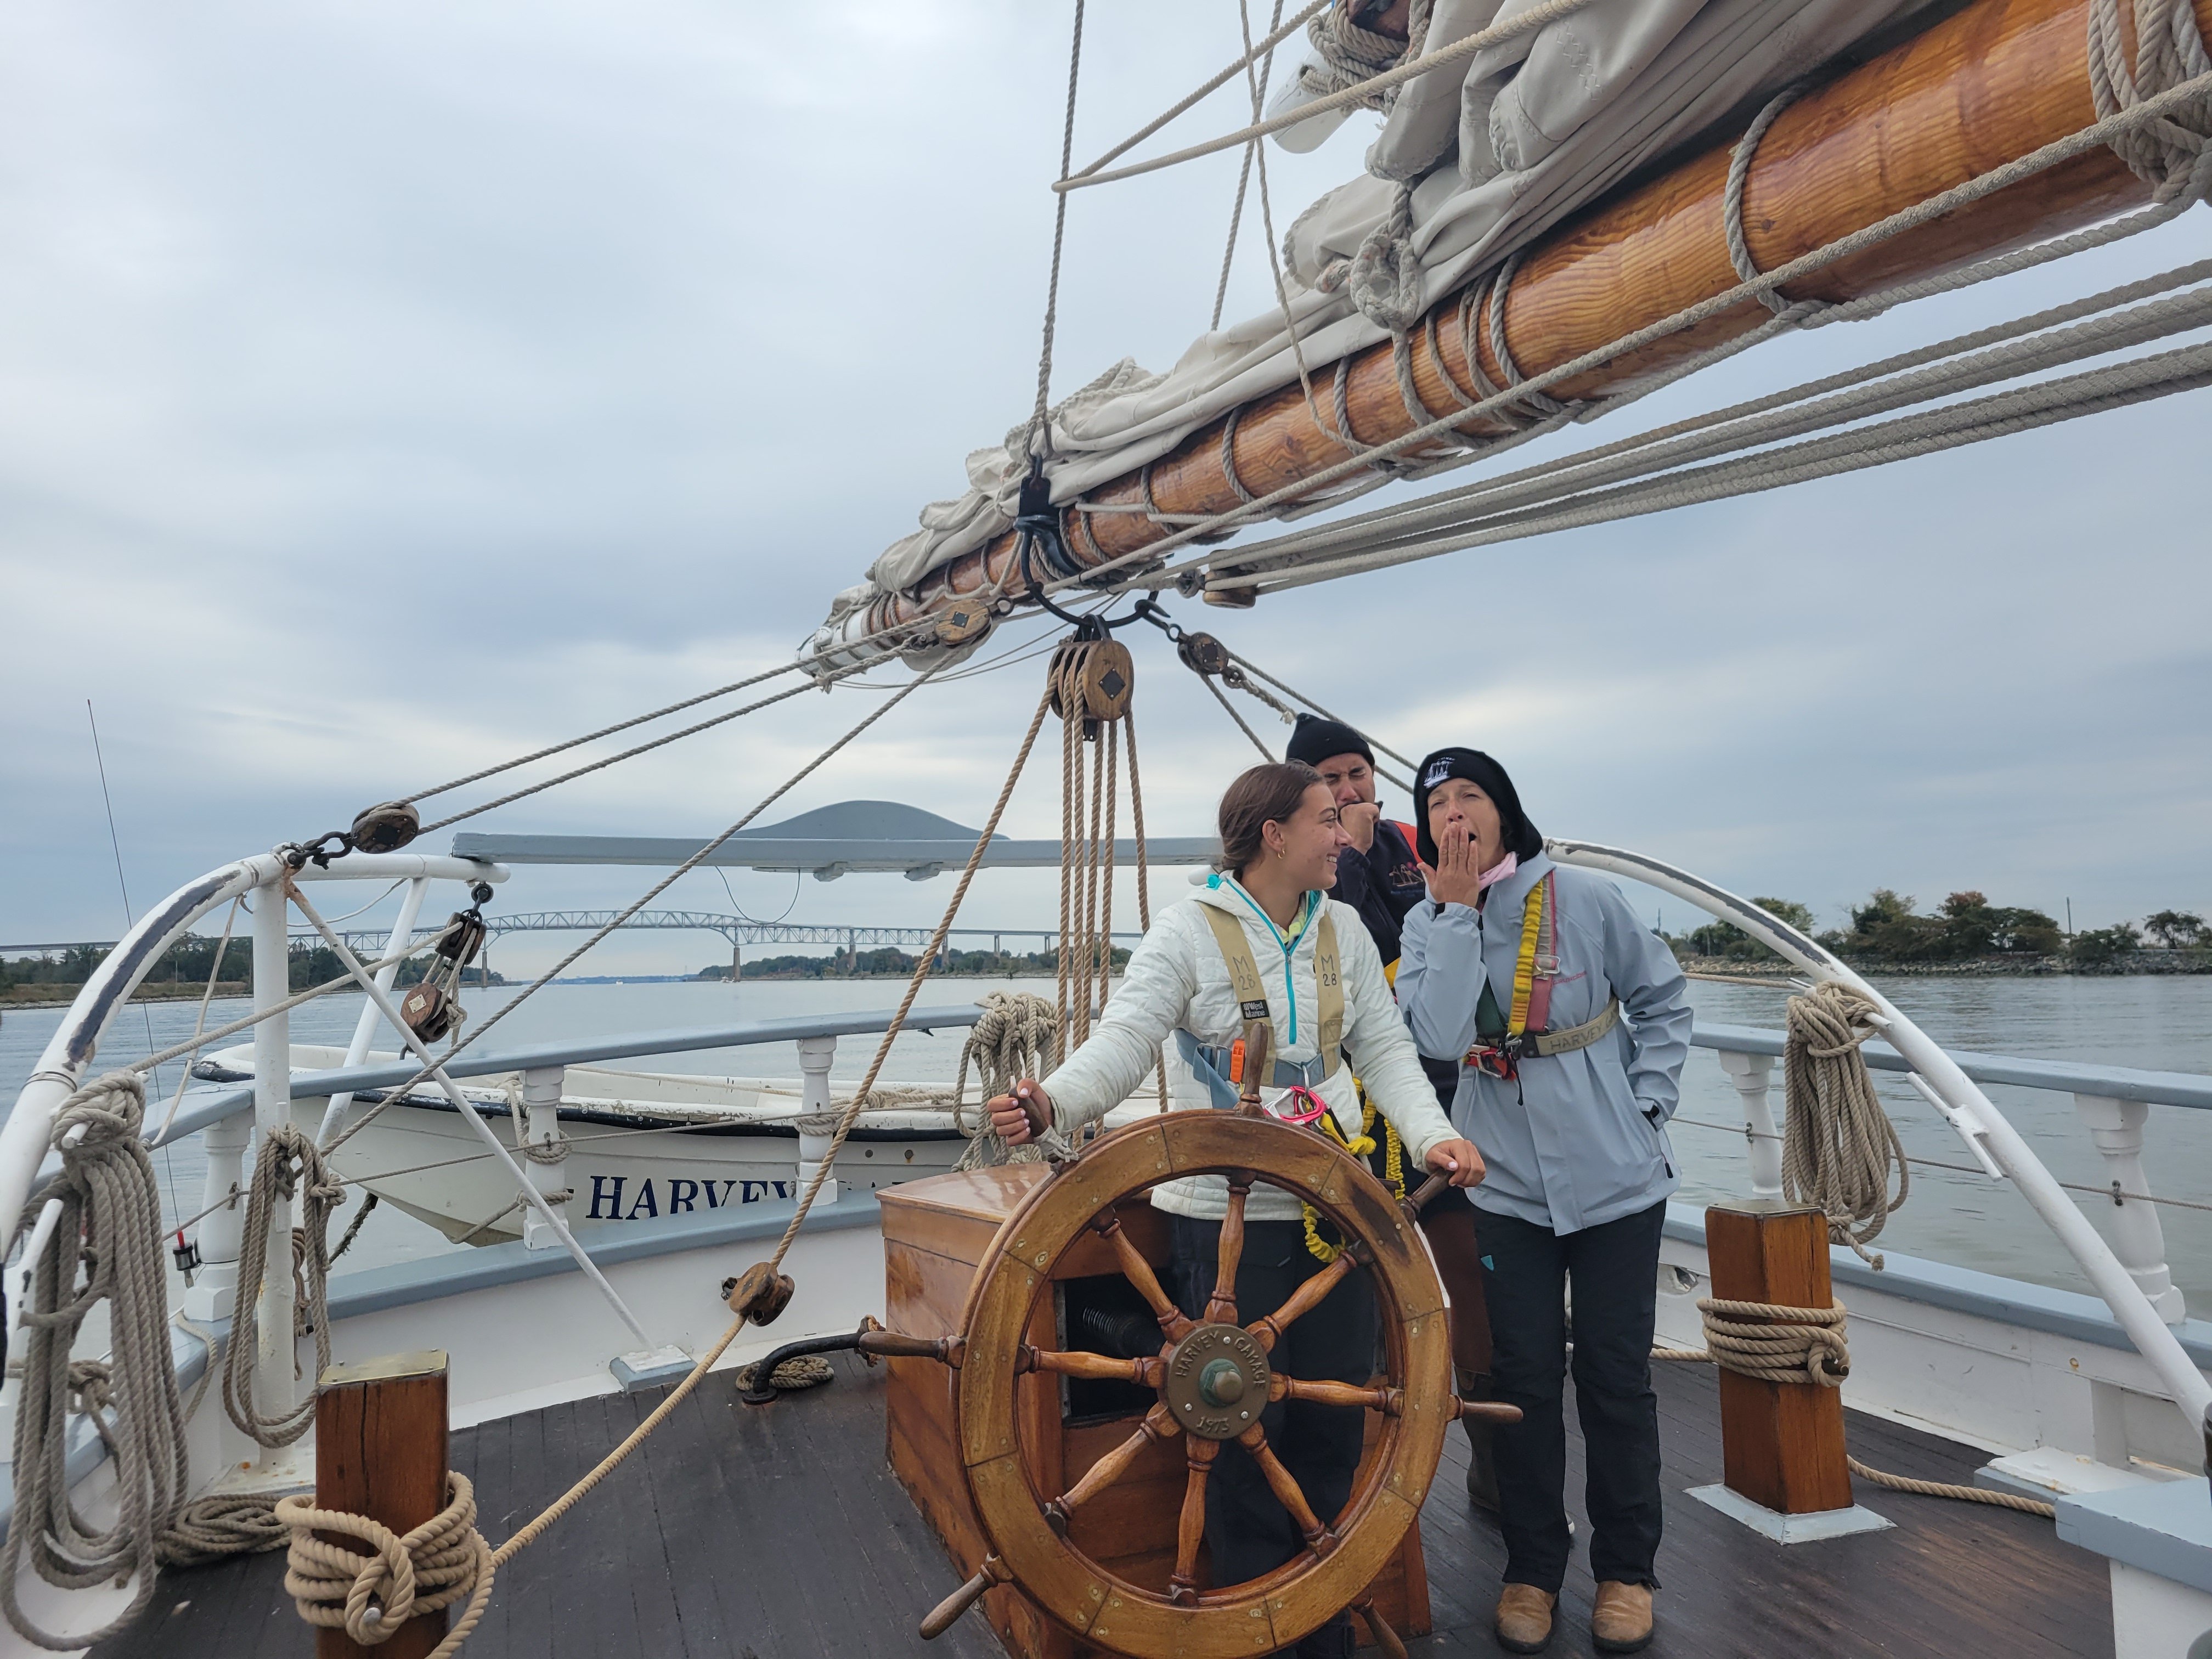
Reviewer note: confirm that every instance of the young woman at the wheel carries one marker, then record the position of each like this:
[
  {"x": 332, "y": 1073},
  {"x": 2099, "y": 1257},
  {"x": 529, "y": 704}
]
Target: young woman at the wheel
[{"x": 1280, "y": 840}]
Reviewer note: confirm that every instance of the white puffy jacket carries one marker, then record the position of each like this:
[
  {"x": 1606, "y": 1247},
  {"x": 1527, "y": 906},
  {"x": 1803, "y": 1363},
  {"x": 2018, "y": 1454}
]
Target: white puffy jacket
[{"x": 1176, "y": 978}]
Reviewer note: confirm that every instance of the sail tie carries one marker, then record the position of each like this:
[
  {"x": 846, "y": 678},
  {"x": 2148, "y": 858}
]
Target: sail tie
[{"x": 1739, "y": 249}]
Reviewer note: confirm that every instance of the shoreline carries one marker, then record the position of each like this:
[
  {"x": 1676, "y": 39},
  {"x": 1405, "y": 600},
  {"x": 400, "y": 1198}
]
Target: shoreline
[{"x": 2134, "y": 964}]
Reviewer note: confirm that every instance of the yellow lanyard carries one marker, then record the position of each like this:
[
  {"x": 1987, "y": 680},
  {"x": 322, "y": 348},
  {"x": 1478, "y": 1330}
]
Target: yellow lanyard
[{"x": 1524, "y": 967}]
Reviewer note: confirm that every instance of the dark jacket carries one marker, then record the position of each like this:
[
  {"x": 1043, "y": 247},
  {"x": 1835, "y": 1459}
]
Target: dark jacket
[{"x": 1383, "y": 883}]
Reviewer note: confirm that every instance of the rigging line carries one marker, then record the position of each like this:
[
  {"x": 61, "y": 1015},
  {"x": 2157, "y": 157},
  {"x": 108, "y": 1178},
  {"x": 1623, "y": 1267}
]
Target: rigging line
[
  {"x": 797, "y": 877},
  {"x": 1259, "y": 154},
  {"x": 829, "y": 678},
  {"x": 1247, "y": 664},
  {"x": 858, "y": 1103},
  {"x": 750, "y": 680},
  {"x": 201, "y": 1040},
  {"x": 1039, "y": 441},
  {"x": 129, "y": 920},
  {"x": 1703, "y": 438},
  {"x": 1251, "y": 53},
  {"x": 307, "y": 932},
  {"x": 1244, "y": 174},
  {"x": 604, "y": 731},
  {"x": 2098, "y": 135},
  {"x": 2114, "y": 1192},
  {"x": 1527, "y": 22},
  {"x": 2047, "y": 403},
  {"x": 1025, "y": 649},
  {"x": 650, "y": 894},
  {"x": 1206, "y": 680},
  {"x": 199, "y": 1021},
  {"x": 1406, "y": 518}
]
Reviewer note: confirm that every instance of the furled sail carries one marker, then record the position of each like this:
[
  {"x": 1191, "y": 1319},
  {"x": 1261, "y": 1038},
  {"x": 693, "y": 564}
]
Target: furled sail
[{"x": 1499, "y": 233}]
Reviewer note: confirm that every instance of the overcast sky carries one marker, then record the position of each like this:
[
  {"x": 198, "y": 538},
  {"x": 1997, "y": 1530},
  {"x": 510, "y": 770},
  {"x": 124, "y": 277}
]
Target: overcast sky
[{"x": 388, "y": 388}]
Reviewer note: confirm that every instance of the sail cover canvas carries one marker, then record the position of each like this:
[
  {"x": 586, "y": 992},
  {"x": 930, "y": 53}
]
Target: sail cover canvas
[{"x": 1495, "y": 148}]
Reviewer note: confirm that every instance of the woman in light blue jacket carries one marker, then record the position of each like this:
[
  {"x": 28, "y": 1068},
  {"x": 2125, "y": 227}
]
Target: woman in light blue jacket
[{"x": 1570, "y": 1021}]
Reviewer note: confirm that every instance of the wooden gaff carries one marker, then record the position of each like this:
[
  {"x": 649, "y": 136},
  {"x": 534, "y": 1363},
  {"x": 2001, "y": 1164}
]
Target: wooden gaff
[{"x": 1993, "y": 82}]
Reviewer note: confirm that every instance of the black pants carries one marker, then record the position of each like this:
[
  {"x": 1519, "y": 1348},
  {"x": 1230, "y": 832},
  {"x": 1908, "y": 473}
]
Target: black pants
[
  {"x": 1615, "y": 1270},
  {"x": 1247, "y": 1532}
]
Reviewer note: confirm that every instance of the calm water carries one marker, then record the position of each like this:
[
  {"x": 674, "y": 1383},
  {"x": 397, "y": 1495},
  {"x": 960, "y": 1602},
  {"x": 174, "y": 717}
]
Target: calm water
[{"x": 2158, "y": 1023}]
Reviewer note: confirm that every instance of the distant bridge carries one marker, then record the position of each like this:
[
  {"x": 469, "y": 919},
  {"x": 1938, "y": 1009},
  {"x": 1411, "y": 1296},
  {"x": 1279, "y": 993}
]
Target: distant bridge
[{"x": 740, "y": 931}]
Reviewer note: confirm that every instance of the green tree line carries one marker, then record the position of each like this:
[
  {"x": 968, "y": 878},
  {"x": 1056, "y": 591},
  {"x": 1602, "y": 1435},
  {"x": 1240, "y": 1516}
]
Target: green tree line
[
  {"x": 192, "y": 960},
  {"x": 888, "y": 959},
  {"x": 1965, "y": 928}
]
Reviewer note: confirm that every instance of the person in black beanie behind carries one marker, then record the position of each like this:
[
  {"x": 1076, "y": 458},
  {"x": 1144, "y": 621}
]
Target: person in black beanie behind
[{"x": 1379, "y": 876}]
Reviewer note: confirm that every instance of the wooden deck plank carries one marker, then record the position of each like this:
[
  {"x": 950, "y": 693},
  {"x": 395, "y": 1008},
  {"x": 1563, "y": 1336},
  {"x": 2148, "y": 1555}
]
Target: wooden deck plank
[{"x": 780, "y": 1532}]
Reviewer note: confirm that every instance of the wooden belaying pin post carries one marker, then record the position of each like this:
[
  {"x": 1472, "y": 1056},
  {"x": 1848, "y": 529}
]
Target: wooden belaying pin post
[
  {"x": 381, "y": 1450},
  {"x": 1782, "y": 1443}
]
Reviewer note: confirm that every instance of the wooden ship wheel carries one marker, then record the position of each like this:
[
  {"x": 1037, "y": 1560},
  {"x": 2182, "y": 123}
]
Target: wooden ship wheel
[{"x": 1211, "y": 1378}]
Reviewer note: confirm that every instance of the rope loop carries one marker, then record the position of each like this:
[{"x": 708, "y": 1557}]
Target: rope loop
[
  {"x": 2168, "y": 154},
  {"x": 1014, "y": 1040},
  {"x": 288, "y": 1164},
  {"x": 1775, "y": 1343},
  {"x": 1738, "y": 249},
  {"x": 370, "y": 1592},
  {"x": 105, "y": 1246},
  {"x": 1385, "y": 278},
  {"x": 1839, "y": 1147}
]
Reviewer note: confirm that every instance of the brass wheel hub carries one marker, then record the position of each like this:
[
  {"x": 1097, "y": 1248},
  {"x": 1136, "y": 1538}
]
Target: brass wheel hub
[{"x": 1217, "y": 1381}]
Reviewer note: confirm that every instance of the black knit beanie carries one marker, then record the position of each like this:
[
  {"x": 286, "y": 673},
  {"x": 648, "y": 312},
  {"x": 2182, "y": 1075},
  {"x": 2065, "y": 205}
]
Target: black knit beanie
[
  {"x": 1314, "y": 740},
  {"x": 1485, "y": 774}
]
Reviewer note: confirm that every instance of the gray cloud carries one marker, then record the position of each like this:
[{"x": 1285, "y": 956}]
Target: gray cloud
[{"x": 387, "y": 389}]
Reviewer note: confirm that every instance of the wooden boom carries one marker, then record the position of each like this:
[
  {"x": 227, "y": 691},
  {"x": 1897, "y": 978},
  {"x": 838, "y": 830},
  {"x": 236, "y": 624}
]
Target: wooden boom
[{"x": 1992, "y": 83}]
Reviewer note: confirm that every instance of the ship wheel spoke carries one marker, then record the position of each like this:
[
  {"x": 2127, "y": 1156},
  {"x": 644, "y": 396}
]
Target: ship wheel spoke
[
  {"x": 1391, "y": 1402},
  {"x": 1096, "y": 1367},
  {"x": 1159, "y": 1424},
  {"x": 1280, "y": 1481},
  {"x": 1191, "y": 1525},
  {"x": 1139, "y": 1272},
  {"x": 1303, "y": 1300},
  {"x": 1221, "y": 1306}
]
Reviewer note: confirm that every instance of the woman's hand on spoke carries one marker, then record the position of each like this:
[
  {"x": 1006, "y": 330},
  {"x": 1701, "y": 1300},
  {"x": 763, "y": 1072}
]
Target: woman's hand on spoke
[
  {"x": 1454, "y": 878},
  {"x": 1020, "y": 1117},
  {"x": 1459, "y": 1160}
]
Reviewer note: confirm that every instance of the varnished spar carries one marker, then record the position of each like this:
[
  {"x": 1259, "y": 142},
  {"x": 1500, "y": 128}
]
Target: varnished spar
[{"x": 1994, "y": 83}]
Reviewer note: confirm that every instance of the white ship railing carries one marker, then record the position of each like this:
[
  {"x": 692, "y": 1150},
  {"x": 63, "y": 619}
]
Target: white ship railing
[
  {"x": 1988, "y": 1135},
  {"x": 2134, "y": 1282}
]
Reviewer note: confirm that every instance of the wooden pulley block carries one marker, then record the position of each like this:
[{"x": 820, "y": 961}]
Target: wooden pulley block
[
  {"x": 386, "y": 828},
  {"x": 760, "y": 1293},
  {"x": 461, "y": 938},
  {"x": 1202, "y": 654},
  {"x": 1212, "y": 1375},
  {"x": 1101, "y": 675},
  {"x": 428, "y": 1012},
  {"x": 964, "y": 620}
]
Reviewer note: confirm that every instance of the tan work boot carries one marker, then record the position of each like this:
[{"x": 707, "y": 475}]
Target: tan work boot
[
  {"x": 1620, "y": 1619},
  {"x": 1523, "y": 1619}
]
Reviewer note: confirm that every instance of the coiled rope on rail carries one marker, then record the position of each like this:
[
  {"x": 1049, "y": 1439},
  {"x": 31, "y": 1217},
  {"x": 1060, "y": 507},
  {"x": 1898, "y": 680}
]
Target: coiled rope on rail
[
  {"x": 1777, "y": 1343},
  {"x": 1838, "y": 1147},
  {"x": 105, "y": 1247},
  {"x": 288, "y": 1164}
]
